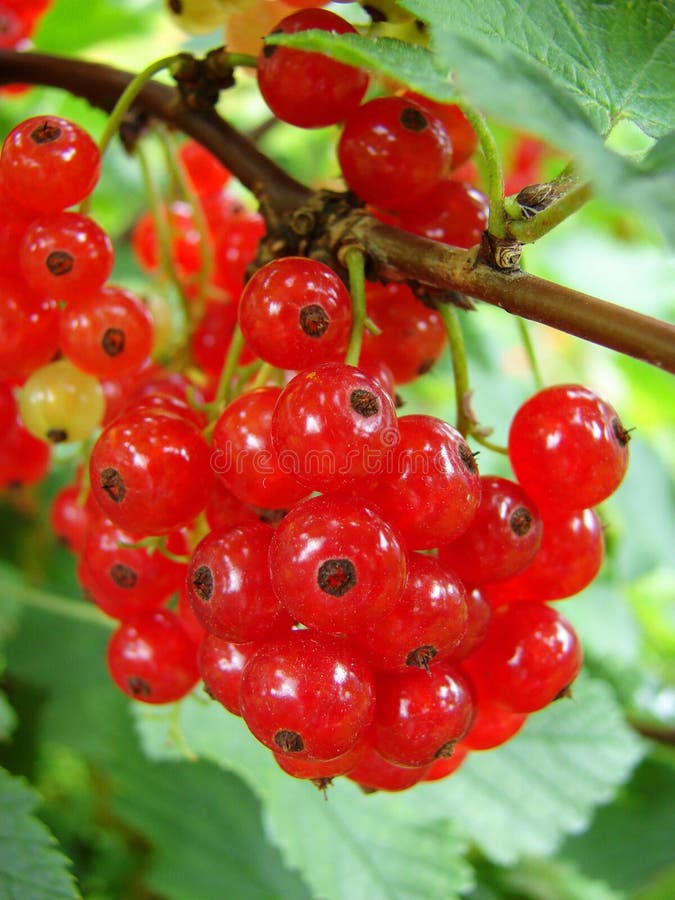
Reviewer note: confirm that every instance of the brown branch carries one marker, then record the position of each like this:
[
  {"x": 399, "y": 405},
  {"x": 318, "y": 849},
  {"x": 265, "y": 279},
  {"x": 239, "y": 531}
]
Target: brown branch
[
  {"x": 102, "y": 85},
  {"x": 395, "y": 254}
]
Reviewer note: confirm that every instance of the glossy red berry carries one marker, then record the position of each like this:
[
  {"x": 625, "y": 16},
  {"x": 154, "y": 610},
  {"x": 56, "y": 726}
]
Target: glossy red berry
[
  {"x": 151, "y": 473},
  {"x": 420, "y": 716},
  {"x": 29, "y": 328},
  {"x": 108, "y": 332},
  {"x": 460, "y": 131},
  {"x": 221, "y": 665},
  {"x": 49, "y": 163},
  {"x": 530, "y": 657},
  {"x": 457, "y": 214},
  {"x": 427, "y": 623},
  {"x": 442, "y": 768},
  {"x": 503, "y": 537},
  {"x": 152, "y": 659},
  {"x": 309, "y": 695},
  {"x": 23, "y": 458},
  {"x": 412, "y": 336},
  {"x": 205, "y": 173},
  {"x": 374, "y": 773},
  {"x": 295, "y": 313},
  {"x": 66, "y": 256},
  {"x": 568, "y": 448},
  {"x": 336, "y": 565},
  {"x": 228, "y": 584},
  {"x": 570, "y": 556},
  {"x": 393, "y": 153},
  {"x": 243, "y": 455},
  {"x": 333, "y": 426},
  {"x": 429, "y": 487},
  {"x": 308, "y": 89},
  {"x": 479, "y": 614},
  {"x": 70, "y": 518}
]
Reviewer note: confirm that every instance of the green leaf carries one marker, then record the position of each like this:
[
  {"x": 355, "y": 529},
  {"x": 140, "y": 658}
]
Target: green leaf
[
  {"x": 661, "y": 157},
  {"x": 523, "y": 798},
  {"x": 346, "y": 845},
  {"x": 408, "y": 63},
  {"x": 104, "y": 21},
  {"x": 30, "y": 866},
  {"x": 631, "y": 840},
  {"x": 8, "y": 720},
  {"x": 609, "y": 60}
]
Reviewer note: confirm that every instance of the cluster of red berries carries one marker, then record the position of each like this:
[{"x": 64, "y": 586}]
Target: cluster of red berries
[
  {"x": 346, "y": 581},
  {"x": 18, "y": 21}
]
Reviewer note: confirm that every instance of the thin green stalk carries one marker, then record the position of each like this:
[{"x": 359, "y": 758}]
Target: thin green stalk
[
  {"x": 224, "y": 389},
  {"x": 356, "y": 266},
  {"x": 460, "y": 369},
  {"x": 129, "y": 95},
  {"x": 489, "y": 445},
  {"x": 61, "y": 606},
  {"x": 243, "y": 59},
  {"x": 528, "y": 346},
  {"x": 494, "y": 171}
]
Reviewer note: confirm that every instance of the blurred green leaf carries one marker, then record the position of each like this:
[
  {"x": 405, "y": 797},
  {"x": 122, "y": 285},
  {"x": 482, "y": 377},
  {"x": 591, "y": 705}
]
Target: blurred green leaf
[
  {"x": 30, "y": 866},
  {"x": 631, "y": 840},
  {"x": 346, "y": 845},
  {"x": 8, "y": 720},
  {"x": 523, "y": 798},
  {"x": 65, "y": 29}
]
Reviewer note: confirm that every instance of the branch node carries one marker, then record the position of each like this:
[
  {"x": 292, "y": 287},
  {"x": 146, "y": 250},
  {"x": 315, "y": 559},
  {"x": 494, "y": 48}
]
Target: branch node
[{"x": 500, "y": 253}]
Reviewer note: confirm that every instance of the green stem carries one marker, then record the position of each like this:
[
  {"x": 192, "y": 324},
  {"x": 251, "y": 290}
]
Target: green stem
[
  {"x": 489, "y": 445},
  {"x": 243, "y": 59},
  {"x": 460, "y": 369},
  {"x": 494, "y": 172},
  {"x": 129, "y": 95},
  {"x": 224, "y": 388},
  {"x": 62, "y": 606},
  {"x": 529, "y": 350},
  {"x": 356, "y": 266}
]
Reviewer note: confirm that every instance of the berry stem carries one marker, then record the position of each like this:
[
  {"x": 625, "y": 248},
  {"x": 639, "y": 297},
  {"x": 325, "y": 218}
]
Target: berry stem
[
  {"x": 529, "y": 230},
  {"x": 224, "y": 389},
  {"x": 528, "y": 346},
  {"x": 61, "y": 606},
  {"x": 356, "y": 266},
  {"x": 493, "y": 169},
  {"x": 460, "y": 368}
]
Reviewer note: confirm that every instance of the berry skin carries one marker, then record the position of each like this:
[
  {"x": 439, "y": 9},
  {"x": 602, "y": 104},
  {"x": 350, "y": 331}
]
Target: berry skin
[
  {"x": 229, "y": 587},
  {"x": 457, "y": 214},
  {"x": 309, "y": 695},
  {"x": 462, "y": 136},
  {"x": 221, "y": 664},
  {"x": 205, "y": 173},
  {"x": 427, "y": 623},
  {"x": 530, "y": 657},
  {"x": 295, "y": 313},
  {"x": 29, "y": 328},
  {"x": 66, "y": 256},
  {"x": 336, "y": 565},
  {"x": 420, "y": 716},
  {"x": 412, "y": 336},
  {"x": 568, "y": 448},
  {"x": 430, "y": 488},
  {"x": 150, "y": 473},
  {"x": 393, "y": 153},
  {"x": 570, "y": 556},
  {"x": 23, "y": 458},
  {"x": 306, "y": 89},
  {"x": 107, "y": 333},
  {"x": 333, "y": 426},
  {"x": 243, "y": 455},
  {"x": 503, "y": 537},
  {"x": 59, "y": 403},
  {"x": 374, "y": 773},
  {"x": 151, "y": 658},
  {"x": 49, "y": 163},
  {"x": 442, "y": 768}
]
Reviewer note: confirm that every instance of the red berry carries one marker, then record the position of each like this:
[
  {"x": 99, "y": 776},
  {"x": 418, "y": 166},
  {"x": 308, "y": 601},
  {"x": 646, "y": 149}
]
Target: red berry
[
  {"x": 568, "y": 448},
  {"x": 151, "y": 473},
  {"x": 309, "y": 695},
  {"x": 221, "y": 665},
  {"x": 456, "y": 215},
  {"x": 49, "y": 163},
  {"x": 108, "y": 332},
  {"x": 152, "y": 659},
  {"x": 420, "y": 716},
  {"x": 306, "y": 89},
  {"x": 333, "y": 426},
  {"x": 501, "y": 540},
  {"x": 228, "y": 584},
  {"x": 462, "y": 136},
  {"x": 29, "y": 328},
  {"x": 393, "y": 153},
  {"x": 296, "y": 313},
  {"x": 530, "y": 657},
  {"x": 374, "y": 773},
  {"x": 336, "y": 565},
  {"x": 66, "y": 256}
]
